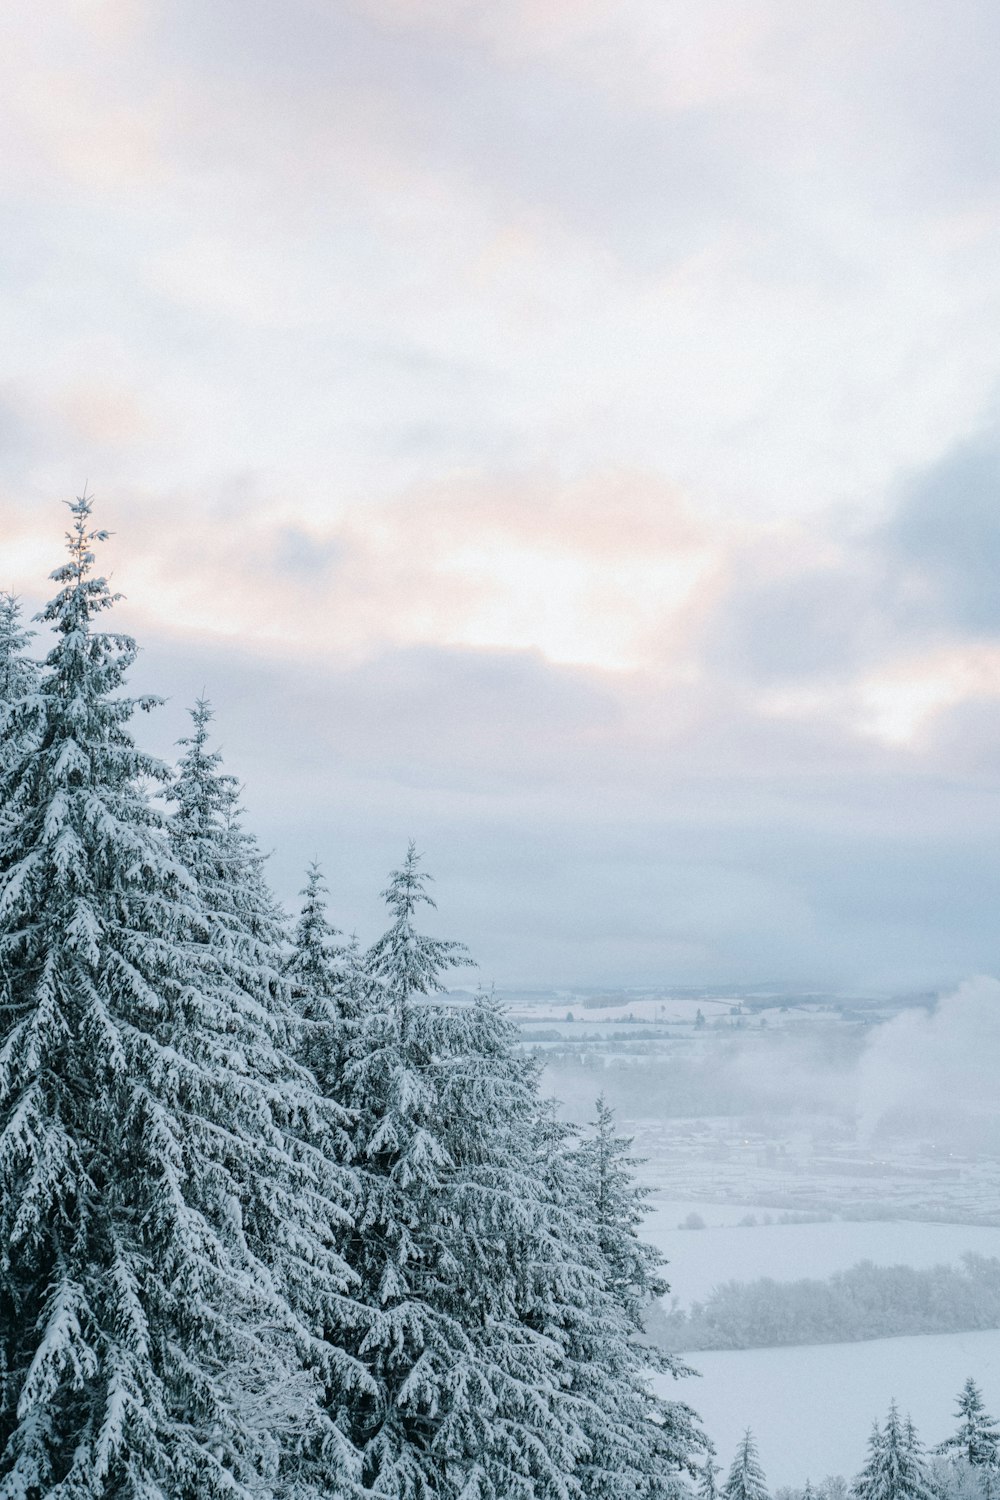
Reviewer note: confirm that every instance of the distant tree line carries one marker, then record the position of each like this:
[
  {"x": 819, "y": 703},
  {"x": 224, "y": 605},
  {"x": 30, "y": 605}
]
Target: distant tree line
[{"x": 864, "y": 1302}]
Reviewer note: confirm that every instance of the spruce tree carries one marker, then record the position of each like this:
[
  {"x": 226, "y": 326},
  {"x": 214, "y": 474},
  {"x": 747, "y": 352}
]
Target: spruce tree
[
  {"x": 18, "y": 675},
  {"x": 638, "y": 1443},
  {"x": 414, "y": 1347},
  {"x": 319, "y": 962},
  {"x": 150, "y": 1173},
  {"x": 977, "y": 1437},
  {"x": 244, "y": 923},
  {"x": 617, "y": 1205},
  {"x": 501, "y": 1357},
  {"x": 745, "y": 1480},
  {"x": 327, "y": 985},
  {"x": 707, "y": 1488},
  {"x": 895, "y": 1469},
  {"x": 243, "y": 927}
]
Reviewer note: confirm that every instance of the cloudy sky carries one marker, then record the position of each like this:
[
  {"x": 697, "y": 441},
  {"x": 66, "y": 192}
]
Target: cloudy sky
[{"x": 563, "y": 431}]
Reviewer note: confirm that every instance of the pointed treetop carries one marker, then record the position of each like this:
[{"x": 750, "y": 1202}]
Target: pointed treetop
[
  {"x": 707, "y": 1488},
  {"x": 15, "y": 669},
  {"x": 406, "y": 888},
  {"x": 318, "y": 956},
  {"x": 315, "y": 888},
  {"x": 745, "y": 1480},
  {"x": 79, "y": 544},
  {"x": 202, "y": 789},
  {"x": 408, "y": 963},
  {"x": 91, "y": 665},
  {"x": 977, "y": 1438}
]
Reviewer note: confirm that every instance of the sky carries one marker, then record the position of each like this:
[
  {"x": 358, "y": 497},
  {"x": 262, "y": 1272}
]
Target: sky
[{"x": 563, "y": 432}]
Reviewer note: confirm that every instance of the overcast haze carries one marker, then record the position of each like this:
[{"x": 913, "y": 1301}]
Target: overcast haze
[{"x": 564, "y": 432}]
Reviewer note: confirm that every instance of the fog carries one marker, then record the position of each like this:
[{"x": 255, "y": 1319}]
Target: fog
[
  {"x": 922, "y": 1067},
  {"x": 824, "y": 1178},
  {"x": 935, "y": 1070}
]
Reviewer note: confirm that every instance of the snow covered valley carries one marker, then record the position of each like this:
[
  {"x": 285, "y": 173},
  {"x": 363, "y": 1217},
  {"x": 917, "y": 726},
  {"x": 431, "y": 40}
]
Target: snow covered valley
[
  {"x": 811, "y": 1408},
  {"x": 700, "y": 1259}
]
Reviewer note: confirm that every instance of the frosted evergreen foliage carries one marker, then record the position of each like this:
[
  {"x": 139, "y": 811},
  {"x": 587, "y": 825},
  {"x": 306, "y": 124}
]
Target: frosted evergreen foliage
[
  {"x": 977, "y": 1437},
  {"x": 707, "y": 1487},
  {"x": 18, "y": 679},
  {"x": 243, "y": 926},
  {"x": 635, "y": 1443},
  {"x": 150, "y": 1176},
  {"x": 745, "y": 1480},
  {"x": 319, "y": 962},
  {"x": 327, "y": 986},
  {"x": 617, "y": 1205},
  {"x": 489, "y": 1315},
  {"x": 244, "y": 922},
  {"x": 895, "y": 1469},
  {"x": 18, "y": 674},
  {"x": 406, "y": 964}
]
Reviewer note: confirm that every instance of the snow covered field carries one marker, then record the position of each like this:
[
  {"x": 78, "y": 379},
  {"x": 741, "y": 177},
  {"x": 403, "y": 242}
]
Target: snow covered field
[
  {"x": 811, "y": 1408},
  {"x": 701, "y": 1258}
]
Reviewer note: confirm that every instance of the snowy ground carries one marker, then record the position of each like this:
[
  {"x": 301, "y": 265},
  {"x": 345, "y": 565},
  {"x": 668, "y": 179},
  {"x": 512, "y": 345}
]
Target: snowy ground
[
  {"x": 701, "y": 1258},
  {"x": 811, "y": 1408},
  {"x": 792, "y": 1168}
]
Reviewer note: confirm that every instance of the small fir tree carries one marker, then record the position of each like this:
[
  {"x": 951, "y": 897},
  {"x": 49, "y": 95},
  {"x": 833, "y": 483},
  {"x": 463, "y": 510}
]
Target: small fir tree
[
  {"x": 243, "y": 921},
  {"x": 18, "y": 676},
  {"x": 327, "y": 983},
  {"x": 707, "y": 1488},
  {"x": 617, "y": 1206},
  {"x": 977, "y": 1437},
  {"x": 649, "y": 1435},
  {"x": 895, "y": 1469},
  {"x": 745, "y": 1480},
  {"x": 635, "y": 1443}
]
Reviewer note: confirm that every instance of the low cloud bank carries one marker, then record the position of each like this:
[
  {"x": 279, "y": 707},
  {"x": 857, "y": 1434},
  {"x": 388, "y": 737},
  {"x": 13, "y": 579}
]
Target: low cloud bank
[{"x": 935, "y": 1071}]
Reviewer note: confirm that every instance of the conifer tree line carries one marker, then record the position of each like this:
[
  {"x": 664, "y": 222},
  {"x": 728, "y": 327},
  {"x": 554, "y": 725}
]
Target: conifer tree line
[
  {"x": 276, "y": 1221},
  {"x": 966, "y": 1466}
]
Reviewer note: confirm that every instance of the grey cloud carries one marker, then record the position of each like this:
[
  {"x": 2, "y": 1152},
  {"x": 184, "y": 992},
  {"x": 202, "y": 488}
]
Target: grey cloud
[
  {"x": 892, "y": 111},
  {"x": 295, "y": 552},
  {"x": 650, "y": 184},
  {"x": 928, "y": 573},
  {"x": 556, "y": 864},
  {"x": 946, "y": 531},
  {"x": 818, "y": 623}
]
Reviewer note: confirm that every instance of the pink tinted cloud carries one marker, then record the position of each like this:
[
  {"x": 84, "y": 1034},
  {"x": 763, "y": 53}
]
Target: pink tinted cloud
[{"x": 613, "y": 570}]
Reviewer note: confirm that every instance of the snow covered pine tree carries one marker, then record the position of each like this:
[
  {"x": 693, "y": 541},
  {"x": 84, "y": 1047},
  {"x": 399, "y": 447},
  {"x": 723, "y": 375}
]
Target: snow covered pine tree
[
  {"x": 707, "y": 1487},
  {"x": 18, "y": 674},
  {"x": 146, "y": 1160},
  {"x": 500, "y": 1357},
  {"x": 643, "y": 1441},
  {"x": 977, "y": 1438},
  {"x": 895, "y": 1469},
  {"x": 616, "y": 1205},
  {"x": 745, "y": 1480},
  {"x": 245, "y": 928},
  {"x": 327, "y": 983}
]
